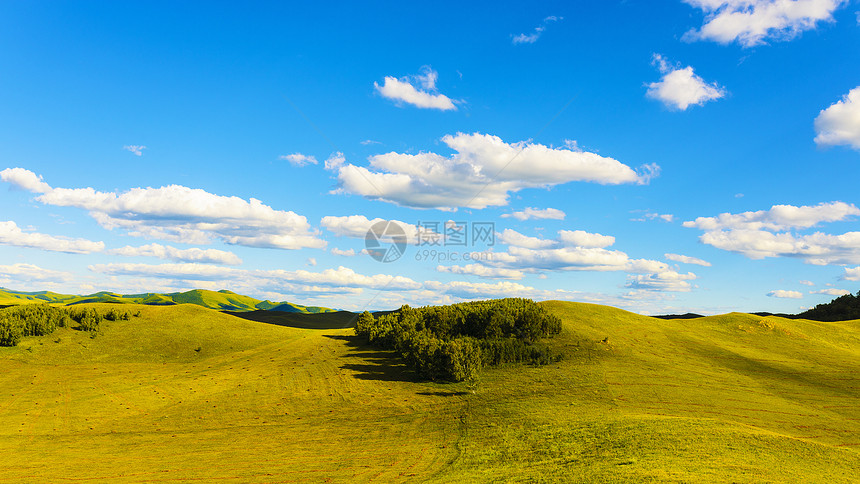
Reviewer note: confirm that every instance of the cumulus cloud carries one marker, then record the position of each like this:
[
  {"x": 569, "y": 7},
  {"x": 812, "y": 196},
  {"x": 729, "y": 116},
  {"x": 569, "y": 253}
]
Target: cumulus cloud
[
  {"x": 483, "y": 172},
  {"x": 669, "y": 281},
  {"x": 534, "y": 36},
  {"x": 345, "y": 253},
  {"x": 335, "y": 161},
  {"x": 513, "y": 238},
  {"x": 839, "y": 124},
  {"x": 213, "y": 256},
  {"x": 832, "y": 292},
  {"x": 179, "y": 213},
  {"x": 687, "y": 260},
  {"x": 298, "y": 159},
  {"x": 483, "y": 290},
  {"x": 666, "y": 217},
  {"x": 767, "y": 233},
  {"x": 11, "y": 234},
  {"x": 581, "y": 238},
  {"x": 403, "y": 91},
  {"x": 25, "y": 180},
  {"x": 852, "y": 274},
  {"x": 679, "y": 88},
  {"x": 574, "y": 251},
  {"x": 785, "y": 294},
  {"x": 751, "y": 22},
  {"x": 778, "y": 217},
  {"x": 31, "y": 273},
  {"x": 136, "y": 150},
  {"x": 807, "y": 283},
  {"x": 535, "y": 213},
  {"x": 482, "y": 271}
]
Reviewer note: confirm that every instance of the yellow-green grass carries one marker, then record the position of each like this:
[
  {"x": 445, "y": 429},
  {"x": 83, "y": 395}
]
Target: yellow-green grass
[{"x": 733, "y": 398}]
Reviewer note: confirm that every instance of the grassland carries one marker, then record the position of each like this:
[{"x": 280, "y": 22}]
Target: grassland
[{"x": 187, "y": 393}]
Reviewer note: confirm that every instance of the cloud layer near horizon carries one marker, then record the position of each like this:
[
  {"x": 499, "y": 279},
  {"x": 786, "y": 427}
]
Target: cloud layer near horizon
[{"x": 178, "y": 213}]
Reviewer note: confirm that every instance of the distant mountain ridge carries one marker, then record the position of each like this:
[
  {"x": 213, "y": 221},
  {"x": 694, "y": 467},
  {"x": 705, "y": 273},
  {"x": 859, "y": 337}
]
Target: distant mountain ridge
[{"x": 222, "y": 300}]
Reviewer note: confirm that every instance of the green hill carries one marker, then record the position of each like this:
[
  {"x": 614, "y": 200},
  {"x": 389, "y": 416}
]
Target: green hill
[
  {"x": 187, "y": 393},
  {"x": 220, "y": 300}
]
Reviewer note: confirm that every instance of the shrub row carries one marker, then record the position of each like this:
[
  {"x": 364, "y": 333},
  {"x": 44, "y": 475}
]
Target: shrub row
[{"x": 453, "y": 342}]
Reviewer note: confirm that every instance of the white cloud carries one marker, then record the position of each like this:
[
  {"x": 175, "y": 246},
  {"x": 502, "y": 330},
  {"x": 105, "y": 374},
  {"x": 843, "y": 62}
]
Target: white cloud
[
  {"x": 575, "y": 251},
  {"x": 345, "y": 253},
  {"x": 840, "y": 123},
  {"x": 483, "y": 172},
  {"x": 566, "y": 238},
  {"x": 785, "y": 294},
  {"x": 534, "y": 213},
  {"x": 755, "y": 234},
  {"x": 779, "y": 217},
  {"x": 482, "y": 271},
  {"x": 750, "y": 22},
  {"x": 11, "y": 234},
  {"x": 180, "y": 214},
  {"x": 136, "y": 150},
  {"x": 370, "y": 142},
  {"x": 666, "y": 217},
  {"x": 669, "y": 281},
  {"x": 312, "y": 261},
  {"x": 817, "y": 248},
  {"x": 357, "y": 226},
  {"x": 681, "y": 87},
  {"x": 32, "y": 273},
  {"x": 852, "y": 274},
  {"x": 483, "y": 290},
  {"x": 513, "y": 238},
  {"x": 534, "y": 36},
  {"x": 335, "y": 161},
  {"x": 213, "y": 256},
  {"x": 581, "y": 238},
  {"x": 832, "y": 292},
  {"x": 402, "y": 91},
  {"x": 807, "y": 283},
  {"x": 25, "y": 180},
  {"x": 687, "y": 260},
  {"x": 299, "y": 159}
]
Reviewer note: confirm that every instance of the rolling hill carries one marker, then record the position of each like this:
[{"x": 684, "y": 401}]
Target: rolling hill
[
  {"x": 187, "y": 393},
  {"x": 223, "y": 300}
]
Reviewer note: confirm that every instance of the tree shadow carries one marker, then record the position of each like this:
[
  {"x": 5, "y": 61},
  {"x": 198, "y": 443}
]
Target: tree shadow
[
  {"x": 444, "y": 394},
  {"x": 374, "y": 364},
  {"x": 331, "y": 320}
]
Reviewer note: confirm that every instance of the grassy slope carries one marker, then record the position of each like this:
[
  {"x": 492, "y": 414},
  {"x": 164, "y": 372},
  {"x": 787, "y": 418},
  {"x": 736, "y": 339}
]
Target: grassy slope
[
  {"x": 220, "y": 300},
  {"x": 729, "y": 398}
]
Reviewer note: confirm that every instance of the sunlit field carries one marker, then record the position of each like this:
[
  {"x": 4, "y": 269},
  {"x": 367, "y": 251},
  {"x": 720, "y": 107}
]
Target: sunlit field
[{"x": 188, "y": 393}]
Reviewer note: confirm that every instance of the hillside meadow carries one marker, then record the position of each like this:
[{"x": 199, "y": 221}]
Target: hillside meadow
[{"x": 183, "y": 392}]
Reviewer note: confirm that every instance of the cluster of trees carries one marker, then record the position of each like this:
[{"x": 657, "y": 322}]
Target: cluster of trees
[
  {"x": 30, "y": 320},
  {"x": 42, "y": 319},
  {"x": 453, "y": 342},
  {"x": 843, "y": 308}
]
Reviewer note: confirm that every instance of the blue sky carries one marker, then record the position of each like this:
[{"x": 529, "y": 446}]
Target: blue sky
[{"x": 696, "y": 155}]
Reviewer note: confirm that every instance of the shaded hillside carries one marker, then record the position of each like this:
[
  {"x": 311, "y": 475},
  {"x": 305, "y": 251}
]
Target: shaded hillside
[
  {"x": 843, "y": 308},
  {"x": 223, "y": 300}
]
